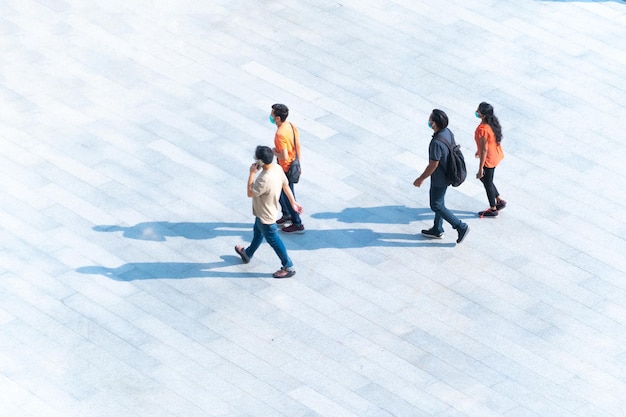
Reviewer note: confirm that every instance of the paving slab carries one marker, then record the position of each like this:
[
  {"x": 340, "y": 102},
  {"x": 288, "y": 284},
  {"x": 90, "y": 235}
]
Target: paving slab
[{"x": 127, "y": 133}]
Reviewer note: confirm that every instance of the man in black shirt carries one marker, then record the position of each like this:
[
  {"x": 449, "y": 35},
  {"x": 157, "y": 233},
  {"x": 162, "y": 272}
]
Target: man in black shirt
[{"x": 438, "y": 155}]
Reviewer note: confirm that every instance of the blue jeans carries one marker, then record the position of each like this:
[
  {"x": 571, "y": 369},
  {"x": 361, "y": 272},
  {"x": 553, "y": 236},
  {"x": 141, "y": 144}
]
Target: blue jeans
[
  {"x": 286, "y": 206},
  {"x": 270, "y": 233},
  {"x": 438, "y": 205}
]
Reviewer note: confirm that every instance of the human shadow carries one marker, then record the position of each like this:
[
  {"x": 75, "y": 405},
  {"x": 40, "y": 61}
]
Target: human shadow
[
  {"x": 136, "y": 271},
  {"x": 160, "y": 231},
  {"x": 357, "y": 238},
  {"x": 385, "y": 214},
  {"x": 313, "y": 238}
]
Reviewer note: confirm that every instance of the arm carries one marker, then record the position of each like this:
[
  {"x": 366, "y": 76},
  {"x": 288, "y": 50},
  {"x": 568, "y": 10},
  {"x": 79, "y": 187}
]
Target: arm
[
  {"x": 430, "y": 168},
  {"x": 281, "y": 155},
  {"x": 297, "y": 207},
  {"x": 482, "y": 154},
  {"x": 253, "y": 170}
]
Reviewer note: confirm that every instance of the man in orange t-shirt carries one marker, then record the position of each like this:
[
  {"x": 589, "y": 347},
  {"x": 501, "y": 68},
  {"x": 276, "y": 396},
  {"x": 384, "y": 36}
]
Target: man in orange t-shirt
[{"x": 286, "y": 137}]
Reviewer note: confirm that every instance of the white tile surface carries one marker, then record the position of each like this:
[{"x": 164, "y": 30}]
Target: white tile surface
[{"x": 128, "y": 128}]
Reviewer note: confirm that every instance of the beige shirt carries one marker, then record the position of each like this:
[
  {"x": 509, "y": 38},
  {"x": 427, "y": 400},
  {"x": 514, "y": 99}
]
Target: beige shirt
[{"x": 266, "y": 189}]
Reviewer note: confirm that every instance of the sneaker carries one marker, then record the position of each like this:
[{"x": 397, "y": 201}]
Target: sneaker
[
  {"x": 488, "y": 213},
  {"x": 432, "y": 233},
  {"x": 500, "y": 205},
  {"x": 294, "y": 228},
  {"x": 284, "y": 273},
  {"x": 283, "y": 220},
  {"x": 462, "y": 233}
]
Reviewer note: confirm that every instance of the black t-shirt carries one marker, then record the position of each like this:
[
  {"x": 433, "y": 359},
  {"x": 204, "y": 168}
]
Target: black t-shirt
[{"x": 438, "y": 151}]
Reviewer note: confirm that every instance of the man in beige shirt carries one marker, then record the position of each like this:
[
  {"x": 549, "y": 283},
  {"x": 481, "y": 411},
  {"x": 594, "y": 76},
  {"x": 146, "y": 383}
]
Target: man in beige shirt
[{"x": 265, "y": 192}]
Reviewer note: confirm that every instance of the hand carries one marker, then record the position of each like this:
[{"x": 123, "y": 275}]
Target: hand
[
  {"x": 480, "y": 173},
  {"x": 297, "y": 207},
  {"x": 418, "y": 182},
  {"x": 476, "y": 155},
  {"x": 254, "y": 168}
]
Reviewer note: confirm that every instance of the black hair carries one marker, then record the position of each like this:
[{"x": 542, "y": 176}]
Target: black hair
[
  {"x": 280, "y": 110},
  {"x": 264, "y": 154},
  {"x": 486, "y": 110},
  {"x": 440, "y": 118}
]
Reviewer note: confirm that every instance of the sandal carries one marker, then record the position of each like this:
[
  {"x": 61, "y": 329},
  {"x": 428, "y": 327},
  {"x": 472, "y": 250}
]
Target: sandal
[
  {"x": 284, "y": 273},
  {"x": 242, "y": 252}
]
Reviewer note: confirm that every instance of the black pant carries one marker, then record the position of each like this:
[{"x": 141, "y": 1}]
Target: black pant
[{"x": 490, "y": 187}]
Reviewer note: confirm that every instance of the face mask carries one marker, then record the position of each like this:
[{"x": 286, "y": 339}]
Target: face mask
[
  {"x": 430, "y": 125},
  {"x": 272, "y": 120},
  {"x": 476, "y": 114}
]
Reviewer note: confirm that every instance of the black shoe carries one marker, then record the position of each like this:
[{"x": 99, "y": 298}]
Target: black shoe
[
  {"x": 432, "y": 233},
  {"x": 500, "y": 205},
  {"x": 462, "y": 233}
]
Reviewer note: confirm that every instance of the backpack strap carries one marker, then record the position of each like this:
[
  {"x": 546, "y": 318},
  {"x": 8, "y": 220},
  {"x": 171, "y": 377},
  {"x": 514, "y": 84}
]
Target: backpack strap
[{"x": 450, "y": 145}]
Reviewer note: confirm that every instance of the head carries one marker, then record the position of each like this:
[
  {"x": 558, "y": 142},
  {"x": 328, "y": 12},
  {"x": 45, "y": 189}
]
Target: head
[
  {"x": 279, "y": 113},
  {"x": 485, "y": 110},
  {"x": 438, "y": 120},
  {"x": 264, "y": 154}
]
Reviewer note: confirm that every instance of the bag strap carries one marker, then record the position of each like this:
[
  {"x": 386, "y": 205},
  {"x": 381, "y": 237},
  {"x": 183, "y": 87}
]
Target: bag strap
[
  {"x": 450, "y": 145},
  {"x": 295, "y": 148}
]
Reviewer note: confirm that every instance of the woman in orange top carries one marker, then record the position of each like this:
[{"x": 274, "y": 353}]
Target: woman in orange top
[{"x": 488, "y": 136}]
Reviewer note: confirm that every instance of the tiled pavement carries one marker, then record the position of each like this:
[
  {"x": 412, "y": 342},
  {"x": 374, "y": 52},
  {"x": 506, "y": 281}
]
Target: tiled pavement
[{"x": 126, "y": 131}]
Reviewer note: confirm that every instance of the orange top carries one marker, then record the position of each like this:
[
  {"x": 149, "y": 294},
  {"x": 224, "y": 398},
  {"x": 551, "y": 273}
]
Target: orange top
[
  {"x": 494, "y": 150},
  {"x": 283, "y": 139}
]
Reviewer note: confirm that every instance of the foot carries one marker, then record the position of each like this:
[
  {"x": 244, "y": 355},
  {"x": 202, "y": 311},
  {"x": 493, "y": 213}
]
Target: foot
[
  {"x": 242, "y": 252},
  {"x": 432, "y": 233},
  {"x": 284, "y": 273},
  {"x": 500, "y": 205},
  {"x": 283, "y": 220},
  {"x": 294, "y": 228},
  {"x": 488, "y": 213},
  {"x": 463, "y": 231}
]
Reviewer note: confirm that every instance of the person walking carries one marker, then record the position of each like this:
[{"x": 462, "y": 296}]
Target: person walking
[
  {"x": 265, "y": 192},
  {"x": 286, "y": 144},
  {"x": 438, "y": 155},
  {"x": 488, "y": 136}
]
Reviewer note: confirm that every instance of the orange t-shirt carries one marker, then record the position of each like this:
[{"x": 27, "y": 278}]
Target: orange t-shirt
[
  {"x": 283, "y": 139},
  {"x": 494, "y": 150}
]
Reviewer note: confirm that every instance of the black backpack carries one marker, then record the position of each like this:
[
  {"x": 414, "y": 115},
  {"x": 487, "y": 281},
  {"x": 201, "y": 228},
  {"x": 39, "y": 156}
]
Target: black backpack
[{"x": 457, "y": 171}]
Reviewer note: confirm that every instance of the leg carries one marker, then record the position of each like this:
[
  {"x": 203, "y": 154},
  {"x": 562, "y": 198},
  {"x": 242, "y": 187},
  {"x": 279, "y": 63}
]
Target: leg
[
  {"x": 287, "y": 209},
  {"x": 438, "y": 205},
  {"x": 438, "y": 223},
  {"x": 284, "y": 206},
  {"x": 490, "y": 188},
  {"x": 270, "y": 232},
  {"x": 257, "y": 238}
]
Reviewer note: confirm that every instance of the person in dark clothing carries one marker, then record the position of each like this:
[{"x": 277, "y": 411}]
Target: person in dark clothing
[{"x": 438, "y": 155}]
